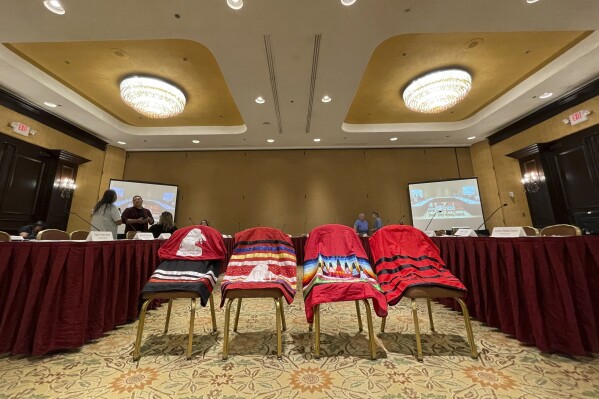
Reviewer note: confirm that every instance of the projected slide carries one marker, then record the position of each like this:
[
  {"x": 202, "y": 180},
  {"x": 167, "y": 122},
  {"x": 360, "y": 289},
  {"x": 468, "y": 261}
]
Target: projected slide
[
  {"x": 453, "y": 203},
  {"x": 157, "y": 197}
]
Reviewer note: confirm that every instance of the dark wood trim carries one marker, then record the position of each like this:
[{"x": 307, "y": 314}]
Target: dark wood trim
[
  {"x": 572, "y": 99},
  {"x": 69, "y": 157},
  {"x": 532, "y": 149},
  {"x": 24, "y": 107}
]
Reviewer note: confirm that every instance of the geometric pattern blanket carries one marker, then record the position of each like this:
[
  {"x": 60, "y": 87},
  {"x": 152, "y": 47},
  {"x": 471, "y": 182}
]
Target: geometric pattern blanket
[
  {"x": 404, "y": 257},
  {"x": 263, "y": 258}
]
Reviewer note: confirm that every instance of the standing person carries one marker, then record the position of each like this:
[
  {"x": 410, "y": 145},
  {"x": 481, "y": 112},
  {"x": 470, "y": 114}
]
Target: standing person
[
  {"x": 378, "y": 223},
  {"x": 105, "y": 215},
  {"x": 136, "y": 218},
  {"x": 165, "y": 225},
  {"x": 204, "y": 222},
  {"x": 361, "y": 224},
  {"x": 30, "y": 231}
]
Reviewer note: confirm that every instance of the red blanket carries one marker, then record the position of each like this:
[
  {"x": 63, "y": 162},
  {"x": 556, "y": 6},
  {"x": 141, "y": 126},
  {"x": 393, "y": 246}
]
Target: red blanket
[
  {"x": 262, "y": 258},
  {"x": 336, "y": 269},
  {"x": 194, "y": 243},
  {"x": 404, "y": 258}
]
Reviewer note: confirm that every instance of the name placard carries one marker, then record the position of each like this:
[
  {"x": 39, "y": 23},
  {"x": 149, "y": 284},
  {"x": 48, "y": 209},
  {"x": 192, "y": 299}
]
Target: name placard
[
  {"x": 16, "y": 238},
  {"x": 508, "y": 232},
  {"x": 430, "y": 233},
  {"x": 465, "y": 233},
  {"x": 164, "y": 236},
  {"x": 100, "y": 236},
  {"x": 143, "y": 236}
]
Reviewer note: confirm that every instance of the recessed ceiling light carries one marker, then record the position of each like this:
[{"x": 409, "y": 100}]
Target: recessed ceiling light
[
  {"x": 235, "y": 4},
  {"x": 316, "y": 140},
  {"x": 260, "y": 100},
  {"x": 393, "y": 138},
  {"x": 471, "y": 138},
  {"x": 531, "y": 1},
  {"x": 55, "y": 6},
  {"x": 49, "y": 104},
  {"x": 545, "y": 95},
  {"x": 326, "y": 99},
  {"x": 195, "y": 141},
  {"x": 271, "y": 140},
  {"x": 121, "y": 142},
  {"x": 348, "y": 2}
]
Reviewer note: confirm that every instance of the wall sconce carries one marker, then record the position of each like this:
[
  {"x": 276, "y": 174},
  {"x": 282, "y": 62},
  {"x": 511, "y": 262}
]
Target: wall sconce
[
  {"x": 66, "y": 187},
  {"x": 532, "y": 182}
]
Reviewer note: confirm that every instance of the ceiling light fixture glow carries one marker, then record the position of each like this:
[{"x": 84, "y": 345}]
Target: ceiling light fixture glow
[
  {"x": 195, "y": 141},
  {"x": 235, "y": 4},
  {"x": 348, "y": 2},
  {"x": 55, "y": 6},
  {"x": 437, "y": 91},
  {"x": 121, "y": 142},
  {"x": 152, "y": 97},
  {"x": 471, "y": 138},
  {"x": 49, "y": 104},
  {"x": 393, "y": 139},
  {"x": 531, "y": 1},
  {"x": 545, "y": 95},
  {"x": 326, "y": 99},
  {"x": 316, "y": 140},
  {"x": 271, "y": 140},
  {"x": 260, "y": 100}
]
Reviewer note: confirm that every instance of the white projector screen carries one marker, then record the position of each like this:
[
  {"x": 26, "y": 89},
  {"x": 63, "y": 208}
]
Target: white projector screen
[
  {"x": 157, "y": 197},
  {"x": 453, "y": 203}
]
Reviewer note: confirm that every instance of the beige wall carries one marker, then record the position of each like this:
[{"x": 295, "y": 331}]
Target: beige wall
[
  {"x": 237, "y": 189},
  {"x": 502, "y": 175},
  {"x": 89, "y": 175}
]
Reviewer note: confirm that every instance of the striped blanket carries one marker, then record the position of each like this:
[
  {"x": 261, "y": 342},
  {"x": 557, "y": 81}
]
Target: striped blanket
[
  {"x": 191, "y": 260},
  {"x": 262, "y": 258},
  {"x": 404, "y": 258},
  {"x": 336, "y": 269}
]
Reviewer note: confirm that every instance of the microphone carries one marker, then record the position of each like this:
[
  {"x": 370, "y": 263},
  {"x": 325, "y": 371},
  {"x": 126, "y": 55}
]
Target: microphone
[
  {"x": 238, "y": 226},
  {"x": 191, "y": 220},
  {"x": 489, "y": 217},
  {"x": 399, "y": 222},
  {"x": 86, "y": 222},
  {"x": 305, "y": 220},
  {"x": 430, "y": 221},
  {"x": 283, "y": 229},
  {"x": 386, "y": 222}
]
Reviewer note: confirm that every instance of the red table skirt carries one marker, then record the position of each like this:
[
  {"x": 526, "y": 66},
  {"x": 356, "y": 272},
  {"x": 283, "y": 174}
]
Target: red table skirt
[
  {"x": 542, "y": 290},
  {"x": 59, "y": 295}
]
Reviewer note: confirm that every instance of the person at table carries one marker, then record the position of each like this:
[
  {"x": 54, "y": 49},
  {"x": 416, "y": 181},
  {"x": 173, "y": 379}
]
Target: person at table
[
  {"x": 105, "y": 215},
  {"x": 378, "y": 223},
  {"x": 361, "y": 224},
  {"x": 30, "y": 231},
  {"x": 165, "y": 225},
  {"x": 204, "y": 222},
  {"x": 137, "y": 218}
]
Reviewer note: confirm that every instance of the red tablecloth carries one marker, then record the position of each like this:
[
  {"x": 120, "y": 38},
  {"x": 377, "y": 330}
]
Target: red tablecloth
[
  {"x": 542, "y": 290},
  {"x": 59, "y": 295}
]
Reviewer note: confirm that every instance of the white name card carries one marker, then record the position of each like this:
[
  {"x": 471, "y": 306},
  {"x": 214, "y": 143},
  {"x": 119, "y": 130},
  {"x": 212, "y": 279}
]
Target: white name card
[
  {"x": 508, "y": 232},
  {"x": 430, "y": 233},
  {"x": 465, "y": 233},
  {"x": 16, "y": 238},
  {"x": 143, "y": 236},
  {"x": 164, "y": 236},
  {"x": 100, "y": 236}
]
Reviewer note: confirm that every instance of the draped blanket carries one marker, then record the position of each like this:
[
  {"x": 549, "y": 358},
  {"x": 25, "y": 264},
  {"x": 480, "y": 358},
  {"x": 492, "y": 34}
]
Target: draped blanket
[
  {"x": 404, "y": 258},
  {"x": 191, "y": 260},
  {"x": 263, "y": 258},
  {"x": 336, "y": 269}
]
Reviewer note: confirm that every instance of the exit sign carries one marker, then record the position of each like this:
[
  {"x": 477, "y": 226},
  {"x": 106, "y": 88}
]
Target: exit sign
[
  {"x": 579, "y": 117},
  {"x": 22, "y": 129}
]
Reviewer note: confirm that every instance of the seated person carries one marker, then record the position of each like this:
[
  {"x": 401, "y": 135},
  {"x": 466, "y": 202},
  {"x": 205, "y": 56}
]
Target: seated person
[
  {"x": 30, "y": 231},
  {"x": 165, "y": 225},
  {"x": 204, "y": 222},
  {"x": 361, "y": 224}
]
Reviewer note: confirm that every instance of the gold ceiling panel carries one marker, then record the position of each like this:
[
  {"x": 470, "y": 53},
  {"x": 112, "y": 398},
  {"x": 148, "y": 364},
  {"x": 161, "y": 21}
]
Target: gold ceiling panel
[
  {"x": 94, "y": 70},
  {"x": 496, "y": 61}
]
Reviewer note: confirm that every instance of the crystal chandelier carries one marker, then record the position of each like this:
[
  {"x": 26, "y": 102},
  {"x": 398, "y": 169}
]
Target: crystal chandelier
[
  {"x": 532, "y": 182},
  {"x": 437, "y": 91},
  {"x": 152, "y": 97}
]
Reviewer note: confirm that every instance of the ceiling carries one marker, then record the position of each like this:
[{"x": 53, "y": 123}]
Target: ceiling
[{"x": 292, "y": 54}]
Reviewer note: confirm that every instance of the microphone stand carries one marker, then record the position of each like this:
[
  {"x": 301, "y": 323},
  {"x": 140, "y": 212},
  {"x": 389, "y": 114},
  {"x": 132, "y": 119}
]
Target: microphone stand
[
  {"x": 430, "y": 221},
  {"x": 73, "y": 213},
  {"x": 191, "y": 220},
  {"x": 489, "y": 217}
]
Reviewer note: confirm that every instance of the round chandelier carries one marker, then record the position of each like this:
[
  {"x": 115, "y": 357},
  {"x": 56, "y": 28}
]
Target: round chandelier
[
  {"x": 437, "y": 91},
  {"x": 152, "y": 97}
]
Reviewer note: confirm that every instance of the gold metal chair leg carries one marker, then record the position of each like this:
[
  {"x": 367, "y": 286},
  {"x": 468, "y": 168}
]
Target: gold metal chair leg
[
  {"x": 370, "y": 330},
  {"x": 284, "y": 325},
  {"x": 140, "y": 330},
  {"x": 192, "y": 317},
  {"x": 168, "y": 315},
  {"x": 279, "y": 322},
  {"x": 226, "y": 338},
  {"x": 317, "y": 331},
  {"x": 430, "y": 313},
  {"x": 212, "y": 313},
  {"x": 473, "y": 351},
  {"x": 237, "y": 315},
  {"x": 359, "y": 316},
  {"x": 383, "y": 322},
  {"x": 310, "y": 327},
  {"x": 417, "y": 330}
]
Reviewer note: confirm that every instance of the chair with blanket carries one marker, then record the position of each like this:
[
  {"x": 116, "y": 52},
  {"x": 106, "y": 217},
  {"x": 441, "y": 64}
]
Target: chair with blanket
[
  {"x": 408, "y": 265},
  {"x": 190, "y": 264},
  {"x": 336, "y": 269},
  {"x": 263, "y": 265}
]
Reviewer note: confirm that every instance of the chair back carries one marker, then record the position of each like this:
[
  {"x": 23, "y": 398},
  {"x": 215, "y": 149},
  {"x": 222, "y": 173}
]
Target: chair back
[
  {"x": 561, "y": 230},
  {"x": 4, "y": 236},
  {"x": 52, "y": 234},
  {"x": 130, "y": 235},
  {"x": 79, "y": 235},
  {"x": 531, "y": 231}
]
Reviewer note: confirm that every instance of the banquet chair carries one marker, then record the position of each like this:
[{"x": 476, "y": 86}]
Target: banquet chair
[
  {"x": 79, "y": 235},
  {"x": 4, "y": 236},
  {"x": 263, "y": 265},
  {"x": 408, "y": 265},
  {"x": 130, "y": 235},
  {"x": 336, "y": 269},
  {"x": 531, "y": 231},
  {"x": 190, "y": 265},
  {"x": 561, "y": 230},
  {"x": 52, "y": 234}
]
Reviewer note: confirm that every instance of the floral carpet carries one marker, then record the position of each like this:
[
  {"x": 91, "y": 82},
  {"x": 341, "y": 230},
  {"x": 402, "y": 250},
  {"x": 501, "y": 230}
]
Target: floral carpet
[{"x": 105, "y": 369}]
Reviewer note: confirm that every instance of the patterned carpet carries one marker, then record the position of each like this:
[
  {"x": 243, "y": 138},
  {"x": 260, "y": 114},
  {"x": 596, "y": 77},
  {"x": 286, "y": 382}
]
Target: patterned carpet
[{"x": 104, "y": 369}]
